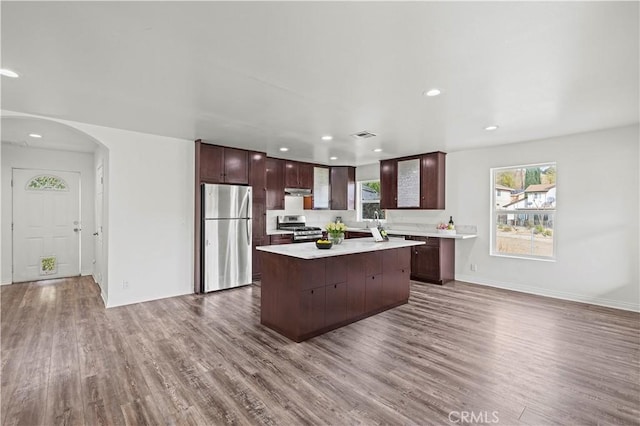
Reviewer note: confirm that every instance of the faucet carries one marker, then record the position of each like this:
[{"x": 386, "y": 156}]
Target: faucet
[{"x": 376, "y": 216}]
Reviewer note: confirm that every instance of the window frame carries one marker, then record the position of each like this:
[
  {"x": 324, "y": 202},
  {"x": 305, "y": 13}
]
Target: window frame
[
  {"x": 494, "y": 212},
  {"x": 359, "y": 209}
]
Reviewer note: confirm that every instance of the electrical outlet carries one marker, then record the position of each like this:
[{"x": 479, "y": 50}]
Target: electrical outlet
[
  {"x": 125, "y": 285},
  {"x": 474, "y": 267}
]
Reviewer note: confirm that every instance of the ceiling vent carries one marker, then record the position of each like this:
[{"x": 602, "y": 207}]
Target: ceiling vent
[{"x": 363, "y": 135}]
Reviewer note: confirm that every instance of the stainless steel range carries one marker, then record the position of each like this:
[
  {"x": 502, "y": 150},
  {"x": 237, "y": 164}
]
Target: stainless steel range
[{"x": 298, "y": 225}]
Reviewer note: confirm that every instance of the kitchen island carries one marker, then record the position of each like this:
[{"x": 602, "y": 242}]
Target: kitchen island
[{"x": 307, "y": 291}]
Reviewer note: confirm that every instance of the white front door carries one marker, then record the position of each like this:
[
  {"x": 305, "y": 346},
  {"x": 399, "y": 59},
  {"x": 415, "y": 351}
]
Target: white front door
[{"x": 46, "y": 224}]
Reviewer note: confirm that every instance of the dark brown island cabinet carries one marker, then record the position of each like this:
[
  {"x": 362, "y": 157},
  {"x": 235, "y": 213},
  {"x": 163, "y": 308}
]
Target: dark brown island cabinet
[
  {"x": 433, "y": 262},
  {"x": 303, "y": 298}
]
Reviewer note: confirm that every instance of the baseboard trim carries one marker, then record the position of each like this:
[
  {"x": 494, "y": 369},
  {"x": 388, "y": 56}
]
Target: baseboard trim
[{"x": 551, "y": 293}]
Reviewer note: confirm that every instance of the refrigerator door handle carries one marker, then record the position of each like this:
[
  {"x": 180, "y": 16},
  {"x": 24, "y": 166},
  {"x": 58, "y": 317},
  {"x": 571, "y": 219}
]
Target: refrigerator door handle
[{"x": 249, "y": 231}]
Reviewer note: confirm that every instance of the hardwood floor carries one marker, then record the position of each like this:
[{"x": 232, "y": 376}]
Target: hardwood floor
[{"x": 456, "y": 354}]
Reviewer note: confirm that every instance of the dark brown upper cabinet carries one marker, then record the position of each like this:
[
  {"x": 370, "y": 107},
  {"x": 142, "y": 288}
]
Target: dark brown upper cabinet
[
  {"x": 219, "y": 164},
  {"x": 343, "y": 188},
  {"x": 388, "y": 184},
  {"x": 416, "y": 182},
  {"x": 275, "y": 183},
  {"x": 258, "y": 173},
  {"x": 298, "y": 175}
]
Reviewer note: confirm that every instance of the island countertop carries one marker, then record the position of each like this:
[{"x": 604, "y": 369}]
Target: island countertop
[{"x": 352, "y": 246}]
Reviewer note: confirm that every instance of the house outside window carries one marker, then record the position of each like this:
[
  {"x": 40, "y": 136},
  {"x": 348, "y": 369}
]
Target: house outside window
[
  {"x": 523, "y": 211},
  {"x": 368, "y": 197}
]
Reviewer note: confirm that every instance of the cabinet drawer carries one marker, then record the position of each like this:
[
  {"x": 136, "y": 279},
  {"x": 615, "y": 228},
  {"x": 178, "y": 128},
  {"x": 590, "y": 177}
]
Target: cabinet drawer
[
  {"x": 281, "y": 239},
  {"x": 428, "y": 241}
]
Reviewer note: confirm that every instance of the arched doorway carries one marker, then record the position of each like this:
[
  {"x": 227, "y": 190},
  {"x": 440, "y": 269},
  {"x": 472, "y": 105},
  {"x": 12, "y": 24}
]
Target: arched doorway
[{"x": 44, "y": 234}]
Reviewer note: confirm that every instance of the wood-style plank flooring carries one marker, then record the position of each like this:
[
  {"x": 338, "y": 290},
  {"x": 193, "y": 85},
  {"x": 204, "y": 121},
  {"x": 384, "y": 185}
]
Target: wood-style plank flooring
[{"x": 205, "y": 359}]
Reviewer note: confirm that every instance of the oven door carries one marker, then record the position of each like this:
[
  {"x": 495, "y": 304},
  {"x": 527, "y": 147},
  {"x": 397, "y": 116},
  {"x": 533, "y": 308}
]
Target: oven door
[{"x": 306, "y": 238}]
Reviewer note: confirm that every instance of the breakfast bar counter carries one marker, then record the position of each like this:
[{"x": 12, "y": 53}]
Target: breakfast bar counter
[{"x": 306, "y": 291}]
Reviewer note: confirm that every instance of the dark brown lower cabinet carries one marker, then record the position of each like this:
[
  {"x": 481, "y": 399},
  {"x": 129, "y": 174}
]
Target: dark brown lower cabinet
[
  {"x": 433, "y": 262},
  {"x": 373, "y": 291},
  {"x": 356, "y": 289},
  {"x": 301, "y": 298},
  {"x": 336, "y": 304},
  {"x": 256, "y": 264},
  {"x": 281, "y": 239},
  {"x": 312, "y": 309},
  {"x": 356, "y": 234}
]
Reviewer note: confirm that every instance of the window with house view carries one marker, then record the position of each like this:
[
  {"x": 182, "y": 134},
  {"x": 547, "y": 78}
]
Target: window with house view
[
  {"x": 369, "y": 200},
  {"x": 524, "y": 211}
]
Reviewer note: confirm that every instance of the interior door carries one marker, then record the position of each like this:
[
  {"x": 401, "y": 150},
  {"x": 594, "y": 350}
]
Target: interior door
[
  {"x": 99, "y": 238},
  {"x": 46, "y": 224}
]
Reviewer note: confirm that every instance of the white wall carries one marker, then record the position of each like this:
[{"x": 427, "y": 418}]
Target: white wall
[
  {"x": 597, "y": 243},
  {"x": 14, "y": 156},
  {"x": 150, "y": 214}
]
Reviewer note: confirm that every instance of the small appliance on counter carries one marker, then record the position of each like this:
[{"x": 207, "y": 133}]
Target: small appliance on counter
[
  {"x": 226, "y": 236},
  {"x": 298, "y": 225}
]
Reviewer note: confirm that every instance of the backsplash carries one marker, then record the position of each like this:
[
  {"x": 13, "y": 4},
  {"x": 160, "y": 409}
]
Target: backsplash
[
  {"x": 294, "y": 205},
  {"x": 396, "y": 219}
]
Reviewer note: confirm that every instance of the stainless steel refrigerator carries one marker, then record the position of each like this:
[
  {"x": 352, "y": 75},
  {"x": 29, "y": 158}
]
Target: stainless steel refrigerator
[{"x": 226, "y": 236}]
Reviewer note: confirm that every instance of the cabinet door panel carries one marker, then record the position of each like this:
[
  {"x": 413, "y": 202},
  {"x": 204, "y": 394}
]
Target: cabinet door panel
[
  {"x": 433, "y": 181},
  {"x": 373, "y": 292},
  {"x": 312, "y": 308},
  {"x": 258, "y": 174},
  {"x": 336, "y": 269},
  {"x": 291, "y": 174},
  {"x": 275, "y": 184},
  {"x": 355, "y": 286},
  {"x": 256, "y": 264},
  {"x": 305, "y": 175},
  {"x": 388, "y": 184},
  {"x": 236, "y": 166},
  {"x": 336, "y": 303},
  {"x": 342, "y": 188},
  {"x": 259, "y": 217},
  {"x": 211, "y": 163}
]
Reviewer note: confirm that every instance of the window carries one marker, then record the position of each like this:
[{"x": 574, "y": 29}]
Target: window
[
  {"x": 524, "y": 211},
  {"x": 47, "y": 183},
  {"x": 369, "y": 200}
]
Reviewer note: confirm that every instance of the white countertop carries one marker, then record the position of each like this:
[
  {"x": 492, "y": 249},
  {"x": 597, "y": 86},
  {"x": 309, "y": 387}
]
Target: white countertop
[
  {"x": 419, "y": 233},
  {"x": 356, "y": 245}
]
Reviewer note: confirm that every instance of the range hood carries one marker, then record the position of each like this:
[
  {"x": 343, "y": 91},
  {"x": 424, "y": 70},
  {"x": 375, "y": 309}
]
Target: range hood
[{"x": 297, "y": 192}]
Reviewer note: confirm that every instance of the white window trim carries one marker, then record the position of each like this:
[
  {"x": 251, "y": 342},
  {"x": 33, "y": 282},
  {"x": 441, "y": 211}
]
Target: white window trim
[
  {"x": 494, "y": 212},
  {"x": 359, "y": 201}
]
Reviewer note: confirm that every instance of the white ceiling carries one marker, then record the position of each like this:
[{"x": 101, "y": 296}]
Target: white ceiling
[{"x": 262, "y": 75}]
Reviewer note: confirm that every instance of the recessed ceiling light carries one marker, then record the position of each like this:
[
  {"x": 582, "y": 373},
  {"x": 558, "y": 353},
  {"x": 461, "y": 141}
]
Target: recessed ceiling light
[
  {"x": 377, "y": 150},
  {"x": 431, "y": 92},
  {"x": 35, "y": 135},
  {"x": 491, "y": 128},
  {"x": 333, "y": 158},
  {"x": 8, "y": 73},
  {"x": 283, "y": 149},
  {"x": 327, "y": 138}
]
